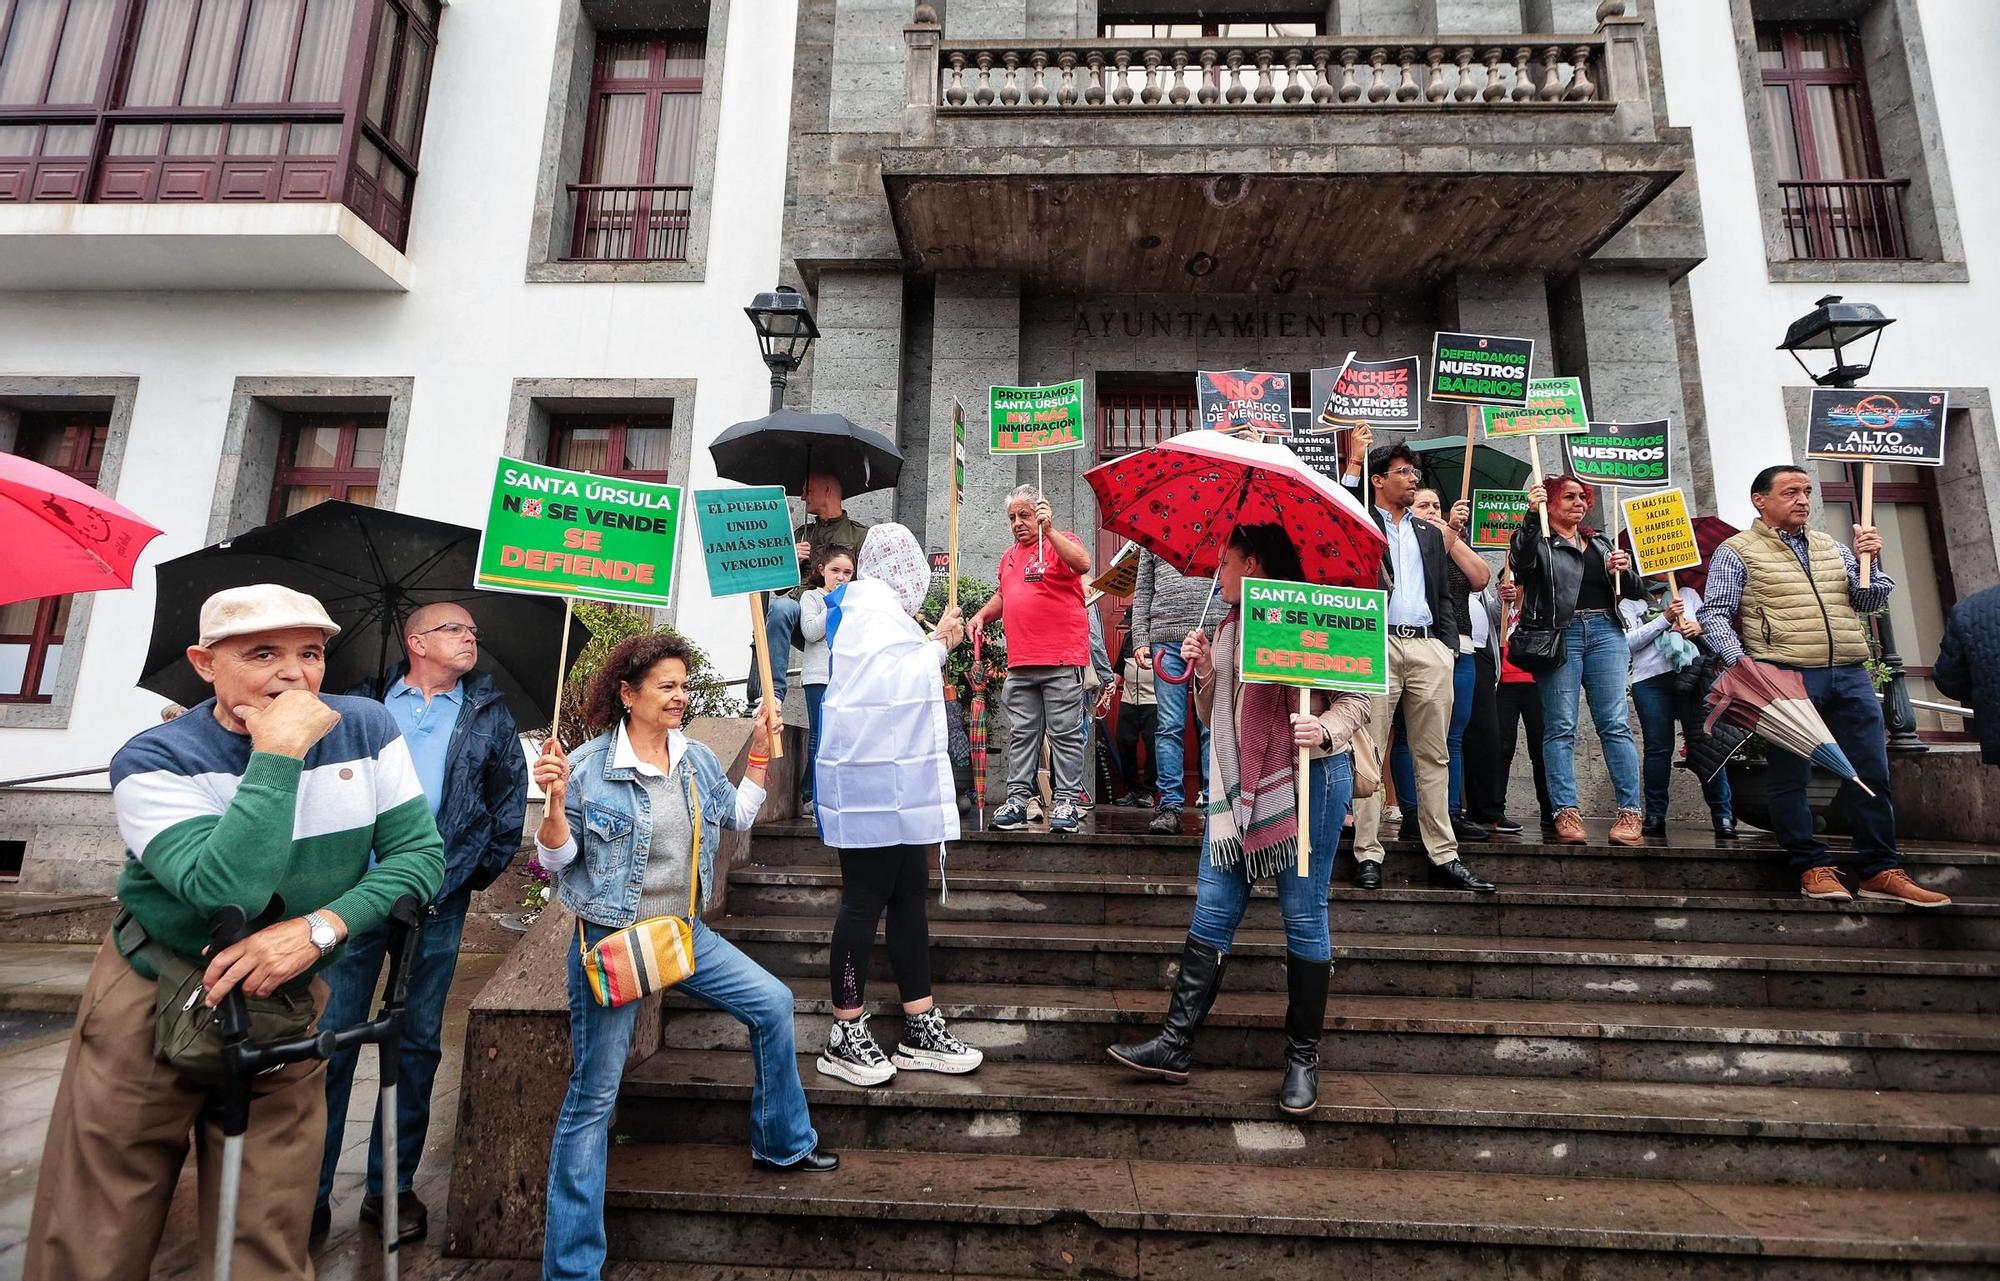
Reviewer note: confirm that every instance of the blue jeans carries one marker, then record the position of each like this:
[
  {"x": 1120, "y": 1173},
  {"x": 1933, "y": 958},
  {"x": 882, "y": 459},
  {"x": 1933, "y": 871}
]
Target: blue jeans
[
  {"x": 599, "y": 1039},
  {"x": 815, "y": 700},
  {"x": 781, "y": 633},
  {"x": 1846, "y": 701},
  {"x": 1463, "y": 674},
  {"x": 1222, "y": 893},
  {"x": 1599, "y": 663},
  {"x": 1403, "y": 770},
  {"x": 350, "y": 984},
  {"x": 1661, "y": 705},
  {"x": 1172, "y": 702}
]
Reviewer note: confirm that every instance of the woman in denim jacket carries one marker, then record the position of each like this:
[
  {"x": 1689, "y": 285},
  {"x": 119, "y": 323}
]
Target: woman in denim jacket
[{"x": 628, "y": 817}]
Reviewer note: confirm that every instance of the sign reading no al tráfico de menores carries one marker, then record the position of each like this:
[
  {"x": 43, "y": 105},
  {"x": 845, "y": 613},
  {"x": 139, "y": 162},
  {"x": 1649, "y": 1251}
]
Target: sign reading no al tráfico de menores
[
  {"x": 1480, "y": 369},
  {"x": 1855, "y": 424},
  {"x": 1325, "y": 637},
  {"x": 746, "y": 540},
  {"x": 552, "y": 532},
  {"x": 1381, "y": 393},
  {"x": 1245, "y": 400},
  {"x": 1036, "y": 420},
  {"x": 1496, "y": 514},
  {"x": 1554, "y": 405},
  {"x": 1628, "y": 455}
]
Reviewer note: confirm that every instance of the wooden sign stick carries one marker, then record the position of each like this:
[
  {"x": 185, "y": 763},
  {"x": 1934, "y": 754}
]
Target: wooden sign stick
[
  {"x": 1305, "y": 788},
  {"x": 1471, "y": 443},
  {"x": 1867, "y": 519},
  {"x": 1673, "y": 586},
  {"x": 763, "y": 647},
  {"x": 951, "y": 542},
  {"x": 562, "y": 672},
  {"x": 1535, "y": 461},
  {"x": 1617, "y": 519}
]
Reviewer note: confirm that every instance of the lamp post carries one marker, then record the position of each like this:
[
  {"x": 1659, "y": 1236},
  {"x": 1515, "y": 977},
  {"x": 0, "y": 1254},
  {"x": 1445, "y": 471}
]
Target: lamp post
[
  {"x": 785, "y": 330},
  {"x": 1831, "y": 326}
]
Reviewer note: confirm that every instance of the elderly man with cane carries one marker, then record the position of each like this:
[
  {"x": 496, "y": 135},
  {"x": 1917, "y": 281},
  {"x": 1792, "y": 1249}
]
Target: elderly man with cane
[{"x": 269, "y": 798}]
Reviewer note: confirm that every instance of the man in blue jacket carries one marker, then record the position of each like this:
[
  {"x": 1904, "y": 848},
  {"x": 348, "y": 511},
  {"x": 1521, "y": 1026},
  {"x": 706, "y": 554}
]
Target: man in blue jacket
[{"x": 468, "y": 757}]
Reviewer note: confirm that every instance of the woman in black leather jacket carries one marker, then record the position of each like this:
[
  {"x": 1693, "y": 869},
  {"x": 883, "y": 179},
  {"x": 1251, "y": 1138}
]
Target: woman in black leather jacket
[{"x": 1570, "y": 582}]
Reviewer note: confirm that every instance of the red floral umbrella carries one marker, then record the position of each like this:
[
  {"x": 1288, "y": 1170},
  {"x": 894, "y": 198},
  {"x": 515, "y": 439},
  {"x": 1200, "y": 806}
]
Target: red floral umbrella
[
  {"x": 1181, "y": 499},
  {"x": 61, "y": 535},
  {"x": 975, "y": 726}
]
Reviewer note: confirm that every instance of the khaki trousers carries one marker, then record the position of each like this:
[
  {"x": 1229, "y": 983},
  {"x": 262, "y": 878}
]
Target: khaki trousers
[
  {"x": 119, "y": 1136},
  {"x": 1420, "y": 672}
]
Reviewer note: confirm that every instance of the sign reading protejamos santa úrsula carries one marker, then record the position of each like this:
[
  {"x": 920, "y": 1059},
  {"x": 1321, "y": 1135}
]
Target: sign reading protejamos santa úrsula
[
  {"x": 1875, "y": 424},
  {"x": 1628, "y": 455},
  {"x": 1554, "y": 405},
  {"x": 1324, "y": 637},
  {"x": 552, "y": 532},
  {"x": 1480, "y": 369},
  {"x": 746, "y": 540},
  {"x": 1245, "y": 400},
  {"x": 1036, "y": 420},
  {"x": 1496, "y": 514}
]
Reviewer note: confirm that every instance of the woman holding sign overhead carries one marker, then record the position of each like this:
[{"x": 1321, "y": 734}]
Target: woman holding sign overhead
[
  {"x": 1572, "y": 638},
  {"x": 1251, "y": 829}
]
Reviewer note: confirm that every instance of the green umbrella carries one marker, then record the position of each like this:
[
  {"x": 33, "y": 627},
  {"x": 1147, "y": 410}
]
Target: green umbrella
[{"x": 1443, "y": 463}]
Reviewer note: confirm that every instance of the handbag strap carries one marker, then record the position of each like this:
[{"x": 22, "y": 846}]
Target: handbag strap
[{"x": 694, "y": 856}]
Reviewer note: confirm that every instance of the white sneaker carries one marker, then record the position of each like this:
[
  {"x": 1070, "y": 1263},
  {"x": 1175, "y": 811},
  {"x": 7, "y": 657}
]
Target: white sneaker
[
  {"x": 852, "y": 1055},
  {"x": 928, "y": 1046},
  {"x": 1392, "y": 814},
  {"x": 806, "y": 810}
]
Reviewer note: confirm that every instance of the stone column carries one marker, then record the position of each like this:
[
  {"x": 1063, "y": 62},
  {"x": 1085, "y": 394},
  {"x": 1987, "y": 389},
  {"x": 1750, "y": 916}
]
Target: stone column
[
  {"x": 989, "y": 20},
  {"x": 975, "y": 343},
  {"x": 857, "y": 362},
  {"x": 1630, "y": 362},
  {"x": 1510, "y": 304},
  {"x": 1469, "y": 17}
]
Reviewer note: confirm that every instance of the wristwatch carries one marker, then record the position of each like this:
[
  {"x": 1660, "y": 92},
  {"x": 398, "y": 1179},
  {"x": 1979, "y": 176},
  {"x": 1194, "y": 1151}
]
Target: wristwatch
[{"x": 321, "y": 932}]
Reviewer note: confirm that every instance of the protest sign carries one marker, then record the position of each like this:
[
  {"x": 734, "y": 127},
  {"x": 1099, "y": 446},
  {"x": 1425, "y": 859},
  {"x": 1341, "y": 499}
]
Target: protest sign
[
  {"x": 1496, "y": 514},
  {"x": 940, "y": 567},
  {"x": 1036, "y": 420},
  {"x": 1851, "y": 424},
  {"x": 1662, "y": 535},
  {"x": 553, "y": 532},
  {"x": 1480, "y": 369},
  {"x": 1121, "y": 578},
  {"x": 1629, "y": 455},
  {"x": 1323, "y": 451},
  {"x": 1244, "y": 400},
  {"x": 1553, "y": 405},
  {"x": 746, "y": 540},
  {"x": 1324, "y": 637},
  {"x": 1381, "y": 393}
]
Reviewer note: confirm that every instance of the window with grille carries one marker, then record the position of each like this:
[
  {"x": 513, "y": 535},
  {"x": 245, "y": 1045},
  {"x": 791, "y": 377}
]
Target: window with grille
[
  {"x": 629, "y": 446},
  {"x": 327, "y": 457},
  {"x": 1838, "y": 204},
  {"x": 32, "y": 631},
  {"x": 639, "y": 147}
]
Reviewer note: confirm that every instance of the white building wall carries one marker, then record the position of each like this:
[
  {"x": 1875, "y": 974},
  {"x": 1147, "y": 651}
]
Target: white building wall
[
  {"x": 469, "y": 326},
  {"x": 1740, "y": 314}
]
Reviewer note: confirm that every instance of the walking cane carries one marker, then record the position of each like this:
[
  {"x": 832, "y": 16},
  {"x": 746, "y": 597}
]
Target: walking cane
[
  {"x": 404, "y": 928},
  {"x": 243, "y": 1060}
]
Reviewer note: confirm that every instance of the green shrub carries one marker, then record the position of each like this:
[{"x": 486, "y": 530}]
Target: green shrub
[
  {"x": 609, "y": 624},
  {"x": 972, "y": 594}
]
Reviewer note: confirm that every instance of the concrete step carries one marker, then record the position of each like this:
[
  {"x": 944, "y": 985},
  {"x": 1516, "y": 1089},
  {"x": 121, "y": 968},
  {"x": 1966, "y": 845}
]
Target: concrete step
[
  {"x": 1178, "y": 1220},
  {"x": 1688, "y": 859},
  {"x": 1543, "y": 1126},
  {"x": 1141, "y": 957},
  {"x": 1099, "y": 897},
  {"x": 1596, "y": 1040}
]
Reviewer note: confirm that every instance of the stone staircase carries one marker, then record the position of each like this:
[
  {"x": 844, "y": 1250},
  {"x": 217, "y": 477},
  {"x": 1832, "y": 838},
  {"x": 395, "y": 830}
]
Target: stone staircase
[{"x": 1656, "y": 1063}]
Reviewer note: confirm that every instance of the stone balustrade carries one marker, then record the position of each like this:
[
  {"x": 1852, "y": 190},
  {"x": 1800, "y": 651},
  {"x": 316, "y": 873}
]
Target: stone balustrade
[{"x": 1268, "y": 75}]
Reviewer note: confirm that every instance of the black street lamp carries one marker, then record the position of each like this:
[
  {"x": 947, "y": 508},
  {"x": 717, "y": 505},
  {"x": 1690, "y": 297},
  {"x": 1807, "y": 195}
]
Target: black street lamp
[
  {"x": 1831, "y": 326},
  {"x": 785, "y": 329}
]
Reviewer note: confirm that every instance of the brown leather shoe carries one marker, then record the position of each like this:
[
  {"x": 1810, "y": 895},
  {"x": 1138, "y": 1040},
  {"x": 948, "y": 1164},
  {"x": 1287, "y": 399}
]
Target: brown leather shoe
[
  {"x": 1895, "y": 886},
  {"x": 1824, "y": 883},
  {"x": 1569, "y": 828},
  {"x": 1628, "y": 830}
]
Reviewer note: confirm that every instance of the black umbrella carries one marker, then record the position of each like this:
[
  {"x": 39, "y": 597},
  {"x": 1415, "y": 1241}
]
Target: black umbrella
[
  {"x": 369, "y": 568},
  {"x": 782, "y": 448},
  {"x": 1442, "y": 461}
]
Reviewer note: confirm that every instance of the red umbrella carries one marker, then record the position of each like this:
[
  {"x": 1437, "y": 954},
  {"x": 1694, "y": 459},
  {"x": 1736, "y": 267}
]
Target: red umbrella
[
  {"x": 975, "y": 728},
  {"x": 61, "y": 535},
  {"x": 1181, "y": 498}
]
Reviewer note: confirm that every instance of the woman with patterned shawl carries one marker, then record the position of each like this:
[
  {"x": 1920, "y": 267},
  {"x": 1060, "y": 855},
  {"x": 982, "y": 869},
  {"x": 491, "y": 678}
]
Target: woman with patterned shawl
[{"x": 1251, "y": 830}]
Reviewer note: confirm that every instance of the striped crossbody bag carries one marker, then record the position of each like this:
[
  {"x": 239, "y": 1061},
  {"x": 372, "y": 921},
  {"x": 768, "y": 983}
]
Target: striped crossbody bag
[{"x": 651, "y": 955}]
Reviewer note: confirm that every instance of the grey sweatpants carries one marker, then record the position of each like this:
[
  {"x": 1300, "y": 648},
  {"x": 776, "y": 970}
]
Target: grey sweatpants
[{"x": 1044, "y": 702}]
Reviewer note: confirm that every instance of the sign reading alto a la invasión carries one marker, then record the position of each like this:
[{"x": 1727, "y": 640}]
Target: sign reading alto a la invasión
[
  {"x": 1324, "y": 637},
  {"x": 1877, "y": 424},
  {"x": 552, "y": 532}
]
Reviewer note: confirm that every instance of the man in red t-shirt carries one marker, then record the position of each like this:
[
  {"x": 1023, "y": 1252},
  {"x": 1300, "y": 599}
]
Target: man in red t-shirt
[{"x": 1040, "y": 605}]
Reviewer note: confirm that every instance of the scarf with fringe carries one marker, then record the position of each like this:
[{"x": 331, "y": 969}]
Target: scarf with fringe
[{"x": 1253, "y": 802}]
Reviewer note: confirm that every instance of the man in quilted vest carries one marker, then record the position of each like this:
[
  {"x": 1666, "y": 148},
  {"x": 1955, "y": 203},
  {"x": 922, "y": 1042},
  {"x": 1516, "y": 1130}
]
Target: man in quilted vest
[{"x": 1792, "y": 596}]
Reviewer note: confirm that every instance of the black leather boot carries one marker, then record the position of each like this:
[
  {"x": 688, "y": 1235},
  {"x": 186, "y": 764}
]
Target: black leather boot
[
  {"x": 1170, "y": 1053},
  {"x": 1305, "y": 1016}
]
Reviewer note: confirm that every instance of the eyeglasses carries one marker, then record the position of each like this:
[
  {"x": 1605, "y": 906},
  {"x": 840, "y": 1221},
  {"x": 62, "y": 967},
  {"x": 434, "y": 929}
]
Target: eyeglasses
[
  {"x": 453, "y": 629},
  {"x": 1404, "y": 470}
]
